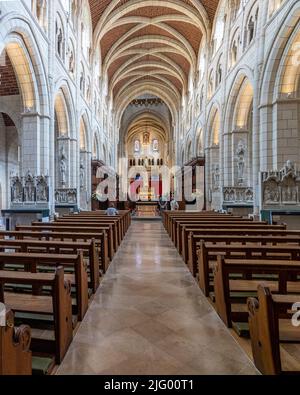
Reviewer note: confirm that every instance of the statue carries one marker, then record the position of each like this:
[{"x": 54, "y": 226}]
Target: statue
[
  {"x": 16, "y": 190},
  {"x": 63, "y": 167},
  {"x": 146, "y": 138},
  {"x": 42, "y": 189},
  {"x": 71, "y": 62},
  {"x": 240, "y": 152},
  {"x": 29, "y": 189},
  {"x": 288, "y": 169},
  {"x": 82, "y": 173},
  {"x": 216, "y": 176}
]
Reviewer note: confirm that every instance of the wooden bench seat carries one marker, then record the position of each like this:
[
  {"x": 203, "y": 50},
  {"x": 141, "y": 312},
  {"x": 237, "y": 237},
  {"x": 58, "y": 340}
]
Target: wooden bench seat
[
  {"x": 207, "y": 257},
  {"x": 59, "y": 247},
  {"x": 178, "y": 223},
  {"x": 286, "y": 272},
  {"x": 97, "y": 220},
  {"x": 100, "y": 240},
  {"x": 182, "y": 241},
  {"x": 241, "y": 228},
  {"x": 171, "y": 220},
  {"x": 271, "y": 325},
  {"x": 59, "y": 304},
  {"x": 229, "y": 236},
  {"x": 70, "y": 230},
  {"x": 124, "y": 216},
  {"x": 116, "y": 229},
  {"x": 31, "y": 263},
  {"x": 170, "y": 216}
]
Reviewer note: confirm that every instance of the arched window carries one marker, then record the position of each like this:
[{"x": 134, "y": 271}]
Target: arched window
[
  {"x": 200, "y": 142},
  {"x": 155, "y": 145},
  {"x": 39, "y": 9},
  {"x": 74, "y": 9},
  {"x": 251, "y": 27},
  {"x": 83, "y": 134},
  {"x": 219, "y": 27},
  {"x": 235, "y": 6},
  {"x": 216, "y": 129},
  {"x": 95, "y": 147},
  {"x": 97, "y": 67},
  {"x": 137, "y": 146},
  {"x": 202, "y": 61},
  {"x": 86, "y": 33}
]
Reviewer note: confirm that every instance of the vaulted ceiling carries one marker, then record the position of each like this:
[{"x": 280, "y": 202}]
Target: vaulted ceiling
[{"x": 150, "y": 43}]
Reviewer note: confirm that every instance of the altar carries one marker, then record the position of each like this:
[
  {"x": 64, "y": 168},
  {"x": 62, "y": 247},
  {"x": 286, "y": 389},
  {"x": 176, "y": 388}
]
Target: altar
[{"x": 146, "y": 209}]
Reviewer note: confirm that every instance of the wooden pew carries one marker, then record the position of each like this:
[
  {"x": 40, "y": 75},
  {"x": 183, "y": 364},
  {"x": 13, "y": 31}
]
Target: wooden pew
[
  {"x": 167, "y": 215},
  {"x": 170, "y": 217},
  {"x": 114, "y": 233},
  {"x": 207, "y": 256},
  {"x": 232, "y": 309},
  {"x": 116, "y": 228},
  {"x": 171, "y": 222},
  {"x": 124, "y": 215},
  {"x": 73, "y": 230},
  {"x": 227, "y": 234},
  {"x": 58, "y": 304},
  {"x": 270, "y": 322},
  {"x": 15, "y": 355},
  {"x": 31, "y": 263},
  {"x": 182, "y": 244},
  {"x": 59, "y": 247},
  {"x": 100, "y": 240},
  {"x": 193, "y": 222}
]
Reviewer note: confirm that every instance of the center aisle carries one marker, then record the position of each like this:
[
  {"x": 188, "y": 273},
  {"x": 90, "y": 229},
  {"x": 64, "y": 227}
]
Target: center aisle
[{"x": 149, "y": 317}]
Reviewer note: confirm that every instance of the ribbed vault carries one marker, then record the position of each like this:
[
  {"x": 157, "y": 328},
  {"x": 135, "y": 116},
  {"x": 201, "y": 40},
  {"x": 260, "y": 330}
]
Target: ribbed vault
[{"x": 151, "y": 42}]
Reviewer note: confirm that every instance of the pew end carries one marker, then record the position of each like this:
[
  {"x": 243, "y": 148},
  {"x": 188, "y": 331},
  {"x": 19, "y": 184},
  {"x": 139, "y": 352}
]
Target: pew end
[
  {"x": 268, "y": 329},
  {"x": 15, "y": 354}
]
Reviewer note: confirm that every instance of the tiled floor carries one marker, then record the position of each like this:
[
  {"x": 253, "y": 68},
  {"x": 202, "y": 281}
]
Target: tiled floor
[{"x": 149, "y": 317}]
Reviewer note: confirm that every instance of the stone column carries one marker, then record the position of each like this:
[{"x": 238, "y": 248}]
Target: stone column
[{"x": 31, "y": 143}]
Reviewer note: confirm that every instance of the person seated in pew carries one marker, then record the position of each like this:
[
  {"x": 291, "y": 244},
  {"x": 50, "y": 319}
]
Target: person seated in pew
[
  {"x": 174, "y": 204},
  {"x": 112, "y": 211}
]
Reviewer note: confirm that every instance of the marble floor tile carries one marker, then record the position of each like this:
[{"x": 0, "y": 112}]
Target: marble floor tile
[{"x": 149, "y": 317}]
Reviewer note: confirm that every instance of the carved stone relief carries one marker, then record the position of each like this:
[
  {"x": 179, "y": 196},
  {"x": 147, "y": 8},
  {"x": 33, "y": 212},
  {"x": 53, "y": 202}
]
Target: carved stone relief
[
  {"x": 281, "y": 188},
  {"x": 240, "y": 162},
  {"x": 29, "y": 190}
]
